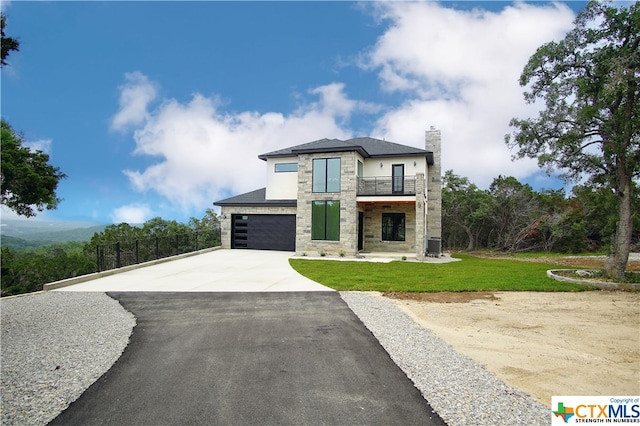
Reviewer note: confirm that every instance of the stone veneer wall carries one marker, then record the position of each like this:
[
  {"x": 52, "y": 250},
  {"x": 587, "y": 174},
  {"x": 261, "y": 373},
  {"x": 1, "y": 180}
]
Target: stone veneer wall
[
  {"x": 434, "y": 185},
  {"x": 348, "y": 243},
  {"x": 373, "y": 228},
  {"x": 225, "y": 224},
  {"x": 421, "y": 224}
]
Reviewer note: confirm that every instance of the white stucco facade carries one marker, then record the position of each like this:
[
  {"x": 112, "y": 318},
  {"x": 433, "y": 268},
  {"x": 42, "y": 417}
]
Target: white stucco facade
[
  {"x": 281, "y": 185},
  {"x": 381, "y": 167}
]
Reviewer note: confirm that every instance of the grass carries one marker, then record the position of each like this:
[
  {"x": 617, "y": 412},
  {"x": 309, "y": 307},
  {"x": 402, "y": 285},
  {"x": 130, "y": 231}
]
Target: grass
[{"x": 471, "y": 274}]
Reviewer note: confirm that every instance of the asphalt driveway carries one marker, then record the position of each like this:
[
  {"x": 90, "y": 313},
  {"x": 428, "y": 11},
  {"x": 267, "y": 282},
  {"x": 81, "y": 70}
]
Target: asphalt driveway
[{"x": 249, "y": 358}]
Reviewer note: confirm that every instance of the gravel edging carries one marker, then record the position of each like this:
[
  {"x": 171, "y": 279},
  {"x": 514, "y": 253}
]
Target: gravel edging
[
  {"x": 54, "y": 346},
  {"x": 460, "y": 390}
]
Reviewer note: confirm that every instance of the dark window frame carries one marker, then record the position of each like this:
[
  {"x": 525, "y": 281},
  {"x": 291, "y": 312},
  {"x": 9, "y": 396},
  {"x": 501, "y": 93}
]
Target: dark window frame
[
  {"x": 322, "y": 179},
  {"x": 325, "y": 227},
  {"x": 394, "y": 227},
  {"x": 397, "y": 180}
]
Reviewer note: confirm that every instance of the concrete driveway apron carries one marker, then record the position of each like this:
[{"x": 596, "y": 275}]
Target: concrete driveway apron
[
  {"x": 219, "y": 270},
  {"x": 248, "y": 358}
]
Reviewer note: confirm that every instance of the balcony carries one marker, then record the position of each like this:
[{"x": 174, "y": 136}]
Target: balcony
[{"x": 387, "y": 185}]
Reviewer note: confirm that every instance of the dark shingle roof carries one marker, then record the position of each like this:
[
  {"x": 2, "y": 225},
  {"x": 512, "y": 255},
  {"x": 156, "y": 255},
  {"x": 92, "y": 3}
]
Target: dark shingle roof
[
  {"x": 255, "y": 198},
  {"x": 367, "y": 147},
  {"x": 382, "y": 148}
]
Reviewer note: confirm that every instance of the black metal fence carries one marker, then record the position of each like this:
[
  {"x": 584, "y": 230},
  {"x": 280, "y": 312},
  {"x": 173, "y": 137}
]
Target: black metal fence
[{"x": 117, "y": 255}]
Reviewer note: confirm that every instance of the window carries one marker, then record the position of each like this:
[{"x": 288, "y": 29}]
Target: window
[
  {"x": 360, "y": 169},
  {"x": 326, "y": 175},
  {"x": 393, "y": 226},
  {"x": 286, "y": 167},
  {"x": 325, "y": 220},
  {"x": 397, "y": 176}
]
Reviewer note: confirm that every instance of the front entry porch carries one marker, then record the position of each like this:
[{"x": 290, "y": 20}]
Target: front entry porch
[{"x": 390, "y": 228}]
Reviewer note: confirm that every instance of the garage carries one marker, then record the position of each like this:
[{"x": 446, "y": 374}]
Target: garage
[{"x": 263, "y": 232}]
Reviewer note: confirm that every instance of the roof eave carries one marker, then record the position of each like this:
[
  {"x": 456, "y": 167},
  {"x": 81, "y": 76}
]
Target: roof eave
[
  {"x": 327, "y": 150},
  {"x": 264, "y": 157},
  {"x": 268, "y": 203},
  {"x": 430, "y": 159}
]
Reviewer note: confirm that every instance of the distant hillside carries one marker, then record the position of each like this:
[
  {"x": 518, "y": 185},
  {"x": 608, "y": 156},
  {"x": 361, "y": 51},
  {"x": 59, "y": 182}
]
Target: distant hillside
[
  {"x": 33, "y": 234},
  {"x": 19, "y": 244},
  {"x": 78, "y": 234}
]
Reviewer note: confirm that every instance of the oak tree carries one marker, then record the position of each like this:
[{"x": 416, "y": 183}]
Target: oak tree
[
  {"x": 7, "y": 43},
  {"x": 27, "y": 181},
  {"x": 589, "y": 126}
]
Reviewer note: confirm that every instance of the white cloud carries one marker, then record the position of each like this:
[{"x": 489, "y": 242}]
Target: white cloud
[
  {"x": 43, "y": 145},
  {"x": 7, "y": 214},
  {"x": 135, "y": 96},
  {"x": 335, "y": 103},
  {"x": 132, "y": 214},
  {"x": 205, "y": 153},
  {"x": 459, "y": 71}
]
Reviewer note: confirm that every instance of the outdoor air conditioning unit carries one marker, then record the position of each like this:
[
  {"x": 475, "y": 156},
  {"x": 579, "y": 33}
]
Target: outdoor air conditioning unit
[{"x": 434, "y": 247}]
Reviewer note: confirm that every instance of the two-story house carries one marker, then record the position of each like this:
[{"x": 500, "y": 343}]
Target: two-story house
[{"x": 342, "y": 197}]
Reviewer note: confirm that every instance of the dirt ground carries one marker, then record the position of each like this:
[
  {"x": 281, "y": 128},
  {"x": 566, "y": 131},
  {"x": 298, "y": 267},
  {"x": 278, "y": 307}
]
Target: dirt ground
[{"x": 546, "y": 344}]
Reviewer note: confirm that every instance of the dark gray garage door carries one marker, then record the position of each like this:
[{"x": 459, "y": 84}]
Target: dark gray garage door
[{"x": 264, "y": 232}]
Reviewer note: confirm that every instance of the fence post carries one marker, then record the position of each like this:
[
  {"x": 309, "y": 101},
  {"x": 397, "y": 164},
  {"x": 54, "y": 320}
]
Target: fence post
[
  {"x": 157, "y": 249},
  {"x": 118, "y": 254},
  {"x": 177, "y": 244},
  {"x": 196, "y": 241},
  {"x": 137, "y": 252},
  {"x": 98, "y": 257}
]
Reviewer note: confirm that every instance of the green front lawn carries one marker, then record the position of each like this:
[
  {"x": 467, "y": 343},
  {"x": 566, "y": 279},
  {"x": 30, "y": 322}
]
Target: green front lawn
[{"x": 471, "y": 274}]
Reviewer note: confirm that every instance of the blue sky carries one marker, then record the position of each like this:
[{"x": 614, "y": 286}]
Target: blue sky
[{"x": 161, "y": 108}]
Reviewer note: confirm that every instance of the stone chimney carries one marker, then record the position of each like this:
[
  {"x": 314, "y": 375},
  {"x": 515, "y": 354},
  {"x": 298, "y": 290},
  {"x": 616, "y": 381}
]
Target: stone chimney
[{"x": 434, "y": 192}]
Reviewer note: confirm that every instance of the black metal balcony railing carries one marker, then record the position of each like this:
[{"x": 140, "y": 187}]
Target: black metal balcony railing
[{"x": 387, "y": 185}]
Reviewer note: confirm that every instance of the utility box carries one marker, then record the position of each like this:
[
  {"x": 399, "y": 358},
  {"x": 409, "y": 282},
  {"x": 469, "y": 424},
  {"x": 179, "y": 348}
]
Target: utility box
[{"x": 434, "y": 247}]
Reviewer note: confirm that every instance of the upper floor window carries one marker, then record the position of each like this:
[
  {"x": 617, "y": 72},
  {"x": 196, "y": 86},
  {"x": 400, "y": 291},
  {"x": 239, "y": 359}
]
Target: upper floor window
[
  {"x": 360, "y": 169},
  {"x": 286, "y": 167},
  {"x": 397, "y": 177},
  {"x": 326, "y": 175}
]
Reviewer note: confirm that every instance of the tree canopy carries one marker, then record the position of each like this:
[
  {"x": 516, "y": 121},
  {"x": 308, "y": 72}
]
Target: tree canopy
[
  {"x": 465, "y": 206},
  {"x": 8, "y": 43},
  {"x": 156, "y": 227},
  {"x": 589, "y": 126},
  {"x": 512, "y": 217},
  {"x": 27, "y": 180}
]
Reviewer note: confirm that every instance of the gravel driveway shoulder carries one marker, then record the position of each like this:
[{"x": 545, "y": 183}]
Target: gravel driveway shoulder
[
  {"x": 460, "y": 390},
  {"x": 53, "y": 347}
]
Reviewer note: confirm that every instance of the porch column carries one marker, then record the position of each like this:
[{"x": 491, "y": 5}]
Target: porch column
[{"x": 421, "y": 235}]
